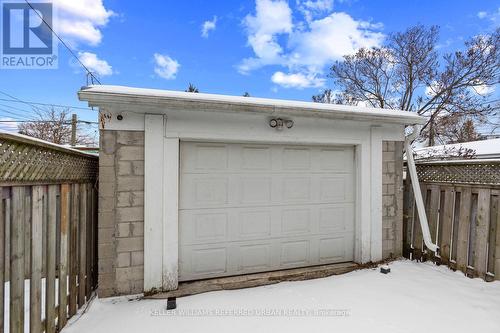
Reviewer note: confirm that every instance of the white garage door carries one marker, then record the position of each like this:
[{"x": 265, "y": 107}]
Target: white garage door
[{"x": 248, "y": 208}]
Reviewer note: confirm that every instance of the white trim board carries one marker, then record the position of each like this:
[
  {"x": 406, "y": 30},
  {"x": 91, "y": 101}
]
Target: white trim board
[{"x": 367, "y": 140}]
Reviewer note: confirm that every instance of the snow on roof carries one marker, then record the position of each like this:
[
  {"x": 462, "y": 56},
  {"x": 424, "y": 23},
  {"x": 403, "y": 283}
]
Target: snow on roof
[
  {"x": 482, "y": 149},
  {"x": 40, "y": 142},
  {"x": 100, "y": 94}
]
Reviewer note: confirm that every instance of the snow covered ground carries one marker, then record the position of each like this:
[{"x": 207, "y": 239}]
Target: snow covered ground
[{"x": 414, "y": 297}]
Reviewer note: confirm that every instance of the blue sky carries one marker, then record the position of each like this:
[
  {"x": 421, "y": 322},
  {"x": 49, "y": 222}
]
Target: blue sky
[{"x": 275, "y": 49}]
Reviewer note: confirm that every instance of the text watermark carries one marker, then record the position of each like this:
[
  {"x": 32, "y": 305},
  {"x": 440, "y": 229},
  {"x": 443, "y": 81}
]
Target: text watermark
[
  {"x": 257, "y": 312},
  {"x": 27, "y": 41}
]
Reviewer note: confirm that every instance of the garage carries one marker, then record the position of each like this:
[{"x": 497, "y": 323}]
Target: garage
[
  {"x": 200, "y": 188},
  {"x": 247, "y": 208}
]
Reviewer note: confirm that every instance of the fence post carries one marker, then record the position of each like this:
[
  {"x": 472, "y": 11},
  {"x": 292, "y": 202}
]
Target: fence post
[
  {"x": 497, "y": 242},
  {"x": 73, "y": 249},
  {"x": 63, "y": 256},
  {"x": 482, "y": 228},
  {"x": 446, "y": 223},
  {"x": 17, "y": 261},
  {"x": 2, "y": 258},
  {"x": 82, "y": 233},
  {"x": 88, "y": 246},
  {"x": 51, "y": 260},
  {"x": 36, "y": 258}
]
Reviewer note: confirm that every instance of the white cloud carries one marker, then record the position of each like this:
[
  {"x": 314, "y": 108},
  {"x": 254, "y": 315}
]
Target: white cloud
[
  {"x": 94, "y": 64},
  {"x": 312, "y": 8},
  {"x": 80, "y": 21},
  {"x": 207, "y": 26},
  {"x": 330, "y": 38},
  {"x": 303, "y": 48},
  {"x": 318, "y": 5},
  {"x": 165, "y": 66},
  {"x": 297, "y": 80},
  {"x": 484, "y": 90},
  {"x": 271, "y": 19},
  {"x": 482, "y": 14},
  {"x": 493, "y": 16}
]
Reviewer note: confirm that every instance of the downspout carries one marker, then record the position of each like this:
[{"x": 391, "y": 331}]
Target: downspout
[{"x": 424, "y": 224}]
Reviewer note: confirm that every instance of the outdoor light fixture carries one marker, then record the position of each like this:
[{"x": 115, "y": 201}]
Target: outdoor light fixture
[{"x": 278, "y": 123}]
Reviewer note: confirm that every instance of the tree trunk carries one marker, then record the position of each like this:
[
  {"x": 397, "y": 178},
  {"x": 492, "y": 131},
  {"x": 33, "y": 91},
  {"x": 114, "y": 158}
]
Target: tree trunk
[{"x": 431, "y": 133}]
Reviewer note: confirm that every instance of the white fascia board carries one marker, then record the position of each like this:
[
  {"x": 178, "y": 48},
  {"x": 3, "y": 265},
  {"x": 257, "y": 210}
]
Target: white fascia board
[{"x": 109, "y": 95}]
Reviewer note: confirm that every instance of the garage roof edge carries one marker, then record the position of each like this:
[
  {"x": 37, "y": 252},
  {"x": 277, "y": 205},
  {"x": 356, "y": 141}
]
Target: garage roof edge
[{"x": 99, "y": 95}]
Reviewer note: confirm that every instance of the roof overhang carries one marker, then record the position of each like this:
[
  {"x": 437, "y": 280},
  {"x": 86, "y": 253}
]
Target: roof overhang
[{"x": 104, "y": 95}]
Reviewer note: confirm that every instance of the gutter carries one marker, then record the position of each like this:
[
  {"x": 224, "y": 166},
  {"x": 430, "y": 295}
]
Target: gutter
[{"x": 424, "y": 224}]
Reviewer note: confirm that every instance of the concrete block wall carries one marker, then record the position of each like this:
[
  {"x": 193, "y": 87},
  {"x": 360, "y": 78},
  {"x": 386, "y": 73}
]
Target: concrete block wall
[
  {"x": 392, "y": 199},
  {"x": 121, "y": 213},
  {"x": 121, "y": 209}
]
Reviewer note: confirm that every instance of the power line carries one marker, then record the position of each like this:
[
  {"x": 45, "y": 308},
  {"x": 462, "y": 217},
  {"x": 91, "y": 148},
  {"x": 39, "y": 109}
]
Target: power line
[
  {"x": 49, "y": 121},
  {"x": 14, "y": 108},
  {"x": 14, "y": 113},
  {"x": 33, "y": 104},
  {"x": 63, "y": 43},
  {"x": 15, "y": 99}
]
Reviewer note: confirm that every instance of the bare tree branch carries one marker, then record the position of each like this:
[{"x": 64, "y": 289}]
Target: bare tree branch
[
  {"x": 54, "y": 125},
  {"x": 406, "y": 74}
]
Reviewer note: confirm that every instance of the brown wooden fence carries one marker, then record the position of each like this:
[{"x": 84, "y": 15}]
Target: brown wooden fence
[
  {"x": 462, "y": 201},
  {"x": 48, "y": 208}
]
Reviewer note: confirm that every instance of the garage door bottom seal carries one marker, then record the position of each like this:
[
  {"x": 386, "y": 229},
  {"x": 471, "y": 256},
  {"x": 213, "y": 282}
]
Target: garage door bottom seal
[{"x": 256, "y": 279}]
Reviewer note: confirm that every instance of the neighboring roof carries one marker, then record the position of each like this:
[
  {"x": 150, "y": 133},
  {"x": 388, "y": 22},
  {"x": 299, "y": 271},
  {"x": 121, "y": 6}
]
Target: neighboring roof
[
  {"x": 99, "y": 95},
  {"x": 483, "y": 149},
  {"x": 42, "y": 143}
]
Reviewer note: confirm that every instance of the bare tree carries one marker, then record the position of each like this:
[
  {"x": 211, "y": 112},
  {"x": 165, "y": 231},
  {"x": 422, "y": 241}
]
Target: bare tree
[
  {"x": 192, "y": 88},
  {"x": 454, "y": 128},
  {"x": 406, "y": 74},
  {"x": 327, "y": 96},
  {"x": 53, "y": 125}
]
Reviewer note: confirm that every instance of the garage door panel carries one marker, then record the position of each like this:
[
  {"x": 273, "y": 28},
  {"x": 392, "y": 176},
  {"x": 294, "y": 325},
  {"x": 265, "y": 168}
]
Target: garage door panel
[
  {"x": 215, "y": 225},
  {"x": 242, "y": 257},
  {"x": 295, "y": 253},
  {"x": 332, "y": 249},
  {"x": 336, "y": 189},
  {"x": 209, "y": 261},
  {"x": 204, "y": 227},
  {"x": 255, "y": 158},
  {"x": 296, "y": 189},
  {"x": 254, "y": 257},
  {"x": 254, "y": 224},
  {"x": 254, "y": 190},
  {"x": 335, "y": 159},
  {"x": 295, "y": 221},
  {"x": 204, "y": 192},
  {"x": 336, "y": 218},
  {"x": 297, "y": 158},
  {"x": 247, "y": 208},
  {"x": 205, "y": 157},
  {"x": 221, "y": 158},
  {"x": 233, "y": 190}
]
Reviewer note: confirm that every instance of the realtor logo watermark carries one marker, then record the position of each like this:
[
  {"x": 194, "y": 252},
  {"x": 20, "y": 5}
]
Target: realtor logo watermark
[{"x": 27, "y": 41}]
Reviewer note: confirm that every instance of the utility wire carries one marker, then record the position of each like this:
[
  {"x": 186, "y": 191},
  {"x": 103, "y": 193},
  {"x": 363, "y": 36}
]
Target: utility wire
[
  {"x": 49, "y": 121},
  {"x": 10, "y": 107},
  {"x": 33, "y": 104},
  {"x": 14, "y": 113},
  {"x": 63, "y": 43},
  {"x": 15, "y": 99}
]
